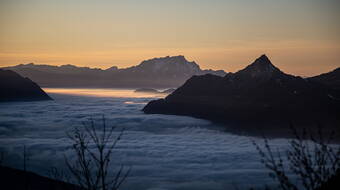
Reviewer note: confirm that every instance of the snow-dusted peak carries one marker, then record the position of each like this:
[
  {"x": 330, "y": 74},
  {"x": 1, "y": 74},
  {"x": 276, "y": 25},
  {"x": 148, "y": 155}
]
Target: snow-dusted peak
[
  {"x": 175, "y": 63},
  {"x": 180, "y": 59}
]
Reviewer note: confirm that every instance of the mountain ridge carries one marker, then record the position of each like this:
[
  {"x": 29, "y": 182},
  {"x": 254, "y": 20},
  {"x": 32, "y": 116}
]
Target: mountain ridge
[
  {"x": 331, "y": 78},
  {"x": 169, "y": 71}
]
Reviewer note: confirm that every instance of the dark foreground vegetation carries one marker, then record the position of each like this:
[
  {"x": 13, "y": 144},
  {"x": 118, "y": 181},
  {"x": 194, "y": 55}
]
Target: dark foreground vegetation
[
  {"x": 91, "y": 166},
  {"x": 14, "y": 179},
  {"x": 310, "y": 157}
]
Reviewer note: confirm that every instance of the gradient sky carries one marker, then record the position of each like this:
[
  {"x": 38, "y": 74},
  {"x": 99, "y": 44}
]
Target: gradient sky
[{"x": 301, "y": 37}]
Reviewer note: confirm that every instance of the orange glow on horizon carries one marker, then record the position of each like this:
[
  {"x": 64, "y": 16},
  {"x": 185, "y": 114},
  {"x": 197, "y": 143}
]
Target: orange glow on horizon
[
  {"x": 301, "y": 37},
  {"x": 297, "y": 59}
]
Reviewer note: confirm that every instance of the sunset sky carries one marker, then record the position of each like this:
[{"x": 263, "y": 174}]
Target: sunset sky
[{"x": 301, "y": 37}]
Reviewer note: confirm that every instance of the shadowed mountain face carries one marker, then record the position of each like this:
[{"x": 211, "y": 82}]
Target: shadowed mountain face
[
  {"x": 17, "y": 88},
  {"x": 259, "y": 93},
  {"x": 331, "y": 79},
  {"x": 153, "y": 73}
]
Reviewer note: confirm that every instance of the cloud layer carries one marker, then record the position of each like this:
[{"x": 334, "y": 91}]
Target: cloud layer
[{"x": 165, "y": 152}]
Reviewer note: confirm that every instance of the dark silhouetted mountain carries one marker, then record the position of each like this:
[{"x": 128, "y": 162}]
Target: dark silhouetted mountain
[
  {"x": 258, "y": 94},
  {"x": 331, "y": 79},
  {"x": 152, "y": 73},
  {"x": 15, "y": 179},
  {"x": 17, "y": 88}
]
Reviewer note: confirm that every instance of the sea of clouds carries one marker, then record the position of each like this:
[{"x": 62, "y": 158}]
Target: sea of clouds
[{"x": 165, "y": 152}]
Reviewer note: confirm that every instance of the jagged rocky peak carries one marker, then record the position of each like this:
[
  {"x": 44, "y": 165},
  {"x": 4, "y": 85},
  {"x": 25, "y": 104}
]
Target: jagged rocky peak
[
  {"x": 260, "y": 67},
  {"x": 178, "y": 64},
  {"x": 180, "y": 59}
]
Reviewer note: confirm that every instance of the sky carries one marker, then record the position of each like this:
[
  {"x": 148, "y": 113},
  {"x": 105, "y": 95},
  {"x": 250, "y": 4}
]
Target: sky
[{"x": 302, "y": 37}]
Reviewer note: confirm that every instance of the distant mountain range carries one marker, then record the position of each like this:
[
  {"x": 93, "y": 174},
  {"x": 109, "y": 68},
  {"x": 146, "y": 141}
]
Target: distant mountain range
[
  {"x": 161, "y": 72},
  {"x": 260, "y": 93},
  {"x": 17, "y": 88}
]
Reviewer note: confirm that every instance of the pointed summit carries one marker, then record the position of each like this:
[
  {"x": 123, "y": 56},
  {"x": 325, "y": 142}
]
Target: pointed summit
[
  {"x": 263, "y": 59},
  {"x": 262, "y": 66}
]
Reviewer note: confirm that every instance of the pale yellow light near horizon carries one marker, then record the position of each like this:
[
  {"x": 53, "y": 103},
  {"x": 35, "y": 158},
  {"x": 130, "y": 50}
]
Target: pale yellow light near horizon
[
  {"x": 301, "y": 37},
  {"x": 98, "y": 92}
]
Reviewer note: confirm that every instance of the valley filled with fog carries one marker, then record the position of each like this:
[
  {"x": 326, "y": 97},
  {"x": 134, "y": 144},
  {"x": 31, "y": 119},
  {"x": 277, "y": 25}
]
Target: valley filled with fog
[{"x": 163, "y": 151}]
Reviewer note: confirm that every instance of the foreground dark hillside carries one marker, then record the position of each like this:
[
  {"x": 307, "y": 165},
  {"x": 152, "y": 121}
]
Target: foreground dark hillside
[
  {"x": 14, "y": 179},
  {"x": 17, "y": 88},
  {"x": 260, "y": 94}
]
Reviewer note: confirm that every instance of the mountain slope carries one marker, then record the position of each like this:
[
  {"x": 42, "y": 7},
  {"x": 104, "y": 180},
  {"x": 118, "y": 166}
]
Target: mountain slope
[
  {"x": 259, "y": 93},
  {"x": 16, "y": 88},
  {"x": 331, "y": 79},
  {"x": 15, "y": 179},
  {"x": 152, "y": 73}
]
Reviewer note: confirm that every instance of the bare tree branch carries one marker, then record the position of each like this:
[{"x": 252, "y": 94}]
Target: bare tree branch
[
  {"x": 93, "y": 149},
  {"x": 312, "y": 159}
]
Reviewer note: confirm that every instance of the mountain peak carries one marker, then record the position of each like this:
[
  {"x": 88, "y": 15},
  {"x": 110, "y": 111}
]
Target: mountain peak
[
  {"x": 264, "y": 57},
  {"x": 179, "y": 57},
  {"x": 168, "y": 59},
  {"x": 173, "y": 66},
  {"x": 260, "y": 67},
  {"x": 263, "y": 62}
]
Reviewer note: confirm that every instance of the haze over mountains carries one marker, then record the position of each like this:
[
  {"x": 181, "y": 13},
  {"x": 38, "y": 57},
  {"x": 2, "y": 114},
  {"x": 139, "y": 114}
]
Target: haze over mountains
[
  {"x": 161, "y": 72},
  {"x": 259, "y": 93}
]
